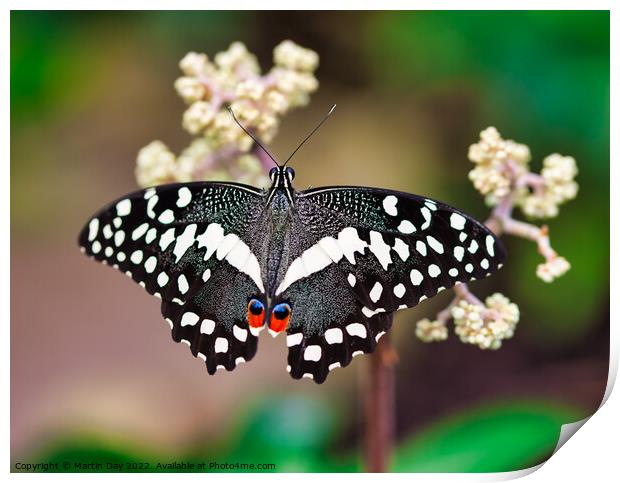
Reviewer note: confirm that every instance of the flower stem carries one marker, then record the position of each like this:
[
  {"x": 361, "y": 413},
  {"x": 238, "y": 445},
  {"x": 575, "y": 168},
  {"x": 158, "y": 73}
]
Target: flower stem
[{"x": 380, "y": 408}]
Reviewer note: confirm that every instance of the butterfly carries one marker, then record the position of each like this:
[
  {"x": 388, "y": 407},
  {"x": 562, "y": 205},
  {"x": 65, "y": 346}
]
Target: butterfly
[{"x": 327, "y": 266}]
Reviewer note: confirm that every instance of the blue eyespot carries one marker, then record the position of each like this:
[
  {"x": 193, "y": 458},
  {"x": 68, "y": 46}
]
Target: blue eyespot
[
  {"x": 256, "y": 307},
  {"x": 281, "y": 311}
]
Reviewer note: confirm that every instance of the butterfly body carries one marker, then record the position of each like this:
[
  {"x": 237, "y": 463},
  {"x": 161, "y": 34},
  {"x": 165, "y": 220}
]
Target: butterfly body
[{"x": 327, "y": 266}]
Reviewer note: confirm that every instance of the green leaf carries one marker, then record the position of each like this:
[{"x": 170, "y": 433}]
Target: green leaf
[{"x": 502, "y": 437}]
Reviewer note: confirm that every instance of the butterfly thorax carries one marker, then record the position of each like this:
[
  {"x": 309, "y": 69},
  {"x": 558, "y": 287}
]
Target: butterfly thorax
[{"x": 279, "y": 219}]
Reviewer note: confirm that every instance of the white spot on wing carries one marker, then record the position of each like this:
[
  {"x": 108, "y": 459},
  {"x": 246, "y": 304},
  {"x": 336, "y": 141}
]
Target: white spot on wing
[
  {"x": 206, "y": 275},
  {"x": 406, "y": 227},
  {"x": 211, "y": 238},
  {"x": 182, "y": 284},
  {"x": 457, "y": 221},
  {"x": 221, "y": 345},
  {"x": 185, "y": 197},
  {"x": 136, "y": 257},
  {"x": 416, "y": 277},
  {"x": 239, "y": 333},
  {"x": 166, "y": 217},
  {"x": 420, "y": 246},
  {"x": 315, "y": 259},
  {"x": 138, "y": 232},
  {"x": 358, "y": 330},
  {"x": 166, "y": 239},
  {"x": 226, "y": 245},
  {"x": 399, "y": 290},
  {"x": 184, "y": 241},
  {"x": 375, "y": 293},
  {"x": 484, "y": 264},
  {"x": 150, "y": 235},
  {"x": 351, "y": 279},
  {"x": 333, "y": 336},
  {"x": 453, "y": 272},
  {"x": 431, "y": 205},
  {"x": 426, "y": 213},
  {"x": 330, "y": 245},
  {"x": 150, "y": 204},
  {"x": 119, "y": 238},
  {"x": 189, "y": 318},
  {"x": 458, "y": 253},
  {"x": 401, "y": 248},
  {"x": 312, "y": 353},
  {"x": 369, "y": 312},
  {"x": 96, "y": 247},
  {"x": 150, "y": 264},
  {"x": 473, "y": 246},
  {"x": 490, "y": 242},
  {"x": 162, "y": 279},
  {"x": 296, "y": 271},
  {"x": 434, "y": 270},
  {"x": 389, "y": 205},
  {"x": 350, "y": 242},
  {"x": 123, "y": 208},
  {"x": 207, "y": 326},
  {"x": 435, "y": 244},
  {"x": 380, "y": 249},
  {"x": 294, "y": 339}
]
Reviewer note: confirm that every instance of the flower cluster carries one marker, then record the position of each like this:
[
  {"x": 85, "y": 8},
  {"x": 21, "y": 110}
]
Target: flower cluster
[
  {"x": 502, "y": 175},
  {"x": 431, "y": 331},
  {"x": 552, "y": 269},
  {"x": 221, "y": 150},
  {"x": 558, "y": 186},
  {"x": 234, "y": 79},
  {"x": 502, "y": 168},
  {"x": 485, "y": 325},
  {"x": 498, "y": 163}
]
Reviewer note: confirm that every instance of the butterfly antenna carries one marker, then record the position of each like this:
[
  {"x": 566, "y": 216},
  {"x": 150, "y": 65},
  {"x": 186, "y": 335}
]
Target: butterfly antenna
[
  {"x": 252, "y": 136},
  {"x": 310, "y": 135}
]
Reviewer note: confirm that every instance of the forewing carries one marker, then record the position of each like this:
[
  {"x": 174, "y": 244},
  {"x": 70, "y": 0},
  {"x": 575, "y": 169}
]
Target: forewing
[
  {"x": 192, "y": 246},
  {"x": 371, "y": 252}
]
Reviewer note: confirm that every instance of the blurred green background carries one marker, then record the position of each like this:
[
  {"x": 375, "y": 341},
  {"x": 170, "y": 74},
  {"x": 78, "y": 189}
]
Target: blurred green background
[{"x": 94, "y": 375}]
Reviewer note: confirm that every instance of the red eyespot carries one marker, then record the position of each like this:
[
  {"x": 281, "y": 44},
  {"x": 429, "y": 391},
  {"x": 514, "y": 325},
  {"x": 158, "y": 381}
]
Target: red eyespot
[
  {"x": 280, "y": 316},
  {"x": 256, "y": 313}
]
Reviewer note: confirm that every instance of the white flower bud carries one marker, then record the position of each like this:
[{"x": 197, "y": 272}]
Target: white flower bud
[
  {"x": 155, "y": 164},
  {"x": 552, "y": 269},
  {"x": 197, "y": 117},
  {"x": 190, "y": 89},
  {"x": 485, "y": 326},
  {"x": 237, "y": 59},
  {"x": 431, "y": 331},
  {"x": 291, "y": 56},
  {"x": 193, "y": 64},
  {"x": 251, "y": 89}
]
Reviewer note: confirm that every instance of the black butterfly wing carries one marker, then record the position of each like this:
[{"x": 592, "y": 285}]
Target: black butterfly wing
[
  {"x": 365, "y": 253},
  {"x": 186, "y": 244}
]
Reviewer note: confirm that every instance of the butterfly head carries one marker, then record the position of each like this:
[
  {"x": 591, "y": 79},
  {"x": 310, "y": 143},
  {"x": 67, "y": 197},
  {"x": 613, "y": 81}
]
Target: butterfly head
[{"x": 282, "y": 176}]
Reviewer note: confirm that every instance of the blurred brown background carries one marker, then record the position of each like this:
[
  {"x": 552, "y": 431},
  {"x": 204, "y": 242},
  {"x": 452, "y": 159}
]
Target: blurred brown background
[{"x": 94, "y": 373}]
